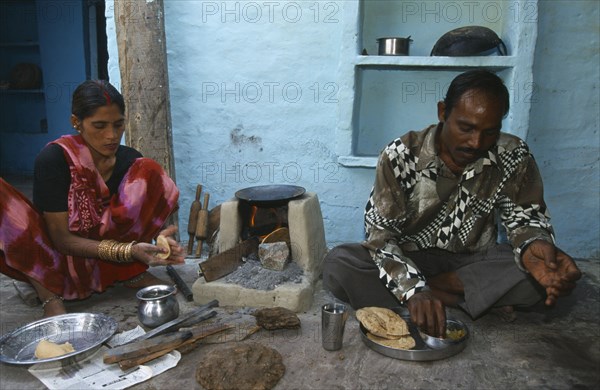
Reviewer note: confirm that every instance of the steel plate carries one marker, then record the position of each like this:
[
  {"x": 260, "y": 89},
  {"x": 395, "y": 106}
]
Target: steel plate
[
  {"x": 85, "y": 332},
  {"x": 421, "y": 351},
  {"x": 270, "y": 193}
]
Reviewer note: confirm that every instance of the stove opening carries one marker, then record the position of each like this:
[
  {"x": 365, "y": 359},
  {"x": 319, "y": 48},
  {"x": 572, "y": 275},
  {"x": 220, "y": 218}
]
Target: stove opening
[{"x": 258, "y": 220}]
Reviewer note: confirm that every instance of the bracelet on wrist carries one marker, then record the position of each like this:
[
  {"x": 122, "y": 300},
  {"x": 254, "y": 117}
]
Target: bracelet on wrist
[{"x": 111, "y": 250}]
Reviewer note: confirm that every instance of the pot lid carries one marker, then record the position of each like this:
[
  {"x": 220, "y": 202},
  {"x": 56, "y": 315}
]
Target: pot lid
[{"x": 270, "y": 193}]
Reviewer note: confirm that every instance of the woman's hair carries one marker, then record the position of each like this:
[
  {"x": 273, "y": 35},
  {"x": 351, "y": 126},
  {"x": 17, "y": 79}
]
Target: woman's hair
[
  {"x": 480, "y": 80},
  {"x": 92, "y": 94}
]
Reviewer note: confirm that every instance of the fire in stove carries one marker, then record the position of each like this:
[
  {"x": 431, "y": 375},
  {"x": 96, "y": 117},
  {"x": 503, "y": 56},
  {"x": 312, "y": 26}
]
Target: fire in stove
[{"x": 259, "y": 221}]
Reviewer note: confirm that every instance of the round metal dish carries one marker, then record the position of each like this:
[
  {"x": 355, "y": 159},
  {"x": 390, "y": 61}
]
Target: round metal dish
[
  {"x": 421, "y": 351},
  {"x": 270, "y": 194},
  {"x": 85, "y": 331}
]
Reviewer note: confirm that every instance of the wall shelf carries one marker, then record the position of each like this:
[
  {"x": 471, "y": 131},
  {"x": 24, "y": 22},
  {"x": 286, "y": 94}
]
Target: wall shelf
[
  {"x": 383, "y": 97},
  {"x": 19, "y": 44},
  {"x": 357, "y": 161},
  {"x": 21, "y": 91},
  {"x": 22, "y": 111},
  {"x": 491, "y": 62}
]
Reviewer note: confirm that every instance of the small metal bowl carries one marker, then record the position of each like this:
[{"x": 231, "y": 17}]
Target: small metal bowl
[
  {"x": 452, "y": 326},
  {"x": 157, "y": 305}
]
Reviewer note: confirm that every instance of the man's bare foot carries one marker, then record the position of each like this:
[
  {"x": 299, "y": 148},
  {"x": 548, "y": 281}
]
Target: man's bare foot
[
  {"x": 144, "y": 279},
  {"x": 507, "y": 313}
]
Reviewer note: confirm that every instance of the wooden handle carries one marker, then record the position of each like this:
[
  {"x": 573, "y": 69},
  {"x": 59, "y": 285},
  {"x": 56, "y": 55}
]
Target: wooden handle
[
  {"x": 205, "y": 206},
  {"x": 202, "y": 225},
  {"x": 137, "y": 349},
  {"x": 194, "y": 208},
  {"x": 197, "y": 334}
]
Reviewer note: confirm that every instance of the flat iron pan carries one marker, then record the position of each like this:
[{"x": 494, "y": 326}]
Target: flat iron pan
[{"x": 270, "y": 194}]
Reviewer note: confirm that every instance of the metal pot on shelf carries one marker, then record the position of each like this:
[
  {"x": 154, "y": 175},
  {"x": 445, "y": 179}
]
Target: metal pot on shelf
[{"x": 393, "y": 46}]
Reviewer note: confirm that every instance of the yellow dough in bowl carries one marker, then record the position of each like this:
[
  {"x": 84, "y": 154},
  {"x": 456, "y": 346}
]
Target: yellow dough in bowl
[{"x": 47, "y": 349}]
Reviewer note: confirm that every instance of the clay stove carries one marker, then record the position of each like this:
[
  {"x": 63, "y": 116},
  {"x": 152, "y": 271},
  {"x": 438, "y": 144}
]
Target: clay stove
[{"x": 308, "y": 247}]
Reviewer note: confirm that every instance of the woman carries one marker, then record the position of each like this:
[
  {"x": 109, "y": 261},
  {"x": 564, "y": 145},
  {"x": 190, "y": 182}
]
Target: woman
[{"x": 98, "y": 204}]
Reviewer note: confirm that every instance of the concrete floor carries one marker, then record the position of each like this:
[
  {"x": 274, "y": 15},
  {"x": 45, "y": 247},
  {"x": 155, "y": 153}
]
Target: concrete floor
[{"x": 555, "y": 348}]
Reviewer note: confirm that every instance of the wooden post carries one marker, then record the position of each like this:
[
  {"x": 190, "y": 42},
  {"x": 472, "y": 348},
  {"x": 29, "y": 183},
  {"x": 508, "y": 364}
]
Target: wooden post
[{"x": 144, "y": 80}]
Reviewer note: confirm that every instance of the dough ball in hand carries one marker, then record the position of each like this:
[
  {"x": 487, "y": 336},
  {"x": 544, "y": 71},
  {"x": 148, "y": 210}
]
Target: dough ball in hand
[{"x": 161, "y": 241}]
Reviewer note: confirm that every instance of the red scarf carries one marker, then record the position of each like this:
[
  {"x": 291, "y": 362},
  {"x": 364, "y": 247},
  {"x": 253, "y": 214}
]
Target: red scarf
[{"x": 145, "y": 199}]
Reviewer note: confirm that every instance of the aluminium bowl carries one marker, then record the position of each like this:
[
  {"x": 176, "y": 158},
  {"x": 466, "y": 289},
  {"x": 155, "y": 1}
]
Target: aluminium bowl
[
  {"x": 446, "y": 342},
  {"x": 85, "y": 331}
]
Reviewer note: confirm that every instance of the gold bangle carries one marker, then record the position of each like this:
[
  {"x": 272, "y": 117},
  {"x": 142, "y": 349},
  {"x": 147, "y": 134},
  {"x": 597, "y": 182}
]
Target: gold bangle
[
  {"x": 129, "y": 252},
  {"x": 122, "y": 249},
  {"x": 118, "y": 252},
  {"x": 104, "y": 249}
]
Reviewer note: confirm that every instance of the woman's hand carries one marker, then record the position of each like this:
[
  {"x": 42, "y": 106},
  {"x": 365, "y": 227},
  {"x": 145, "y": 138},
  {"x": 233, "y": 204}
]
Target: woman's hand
[{"x": 147, "y": 253}]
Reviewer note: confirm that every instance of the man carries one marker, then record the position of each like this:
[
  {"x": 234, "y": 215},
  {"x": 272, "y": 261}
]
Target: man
[{"x": 431, "y": 219}]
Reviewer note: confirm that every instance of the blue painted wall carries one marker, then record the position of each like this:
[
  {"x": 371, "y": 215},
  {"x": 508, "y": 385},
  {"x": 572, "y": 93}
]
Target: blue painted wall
[
  {"x": 62, "y": 56},
  {"x": 564, "y": 127},
  {"x": 254, "y": 101}
]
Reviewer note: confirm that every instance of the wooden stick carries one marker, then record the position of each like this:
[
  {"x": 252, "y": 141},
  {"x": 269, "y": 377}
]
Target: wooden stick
[
  {"x": 202, "y": 226},
  {"x": 197, "y": 334},
  {"x": 193, "y": 219}
]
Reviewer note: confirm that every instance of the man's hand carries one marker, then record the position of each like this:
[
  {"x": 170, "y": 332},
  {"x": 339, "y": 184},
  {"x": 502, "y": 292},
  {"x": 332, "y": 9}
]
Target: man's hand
[
  {"x": 428, "y": 312},
  {"x": 552, "y": 268}
]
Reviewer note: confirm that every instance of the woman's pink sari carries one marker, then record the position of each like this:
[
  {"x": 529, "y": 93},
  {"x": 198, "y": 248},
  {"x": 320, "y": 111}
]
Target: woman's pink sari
[{"x": 146, "y": 198}]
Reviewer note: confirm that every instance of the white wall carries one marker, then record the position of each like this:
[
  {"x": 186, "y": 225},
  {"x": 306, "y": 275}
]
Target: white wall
[{"x": 253, "y": 100}]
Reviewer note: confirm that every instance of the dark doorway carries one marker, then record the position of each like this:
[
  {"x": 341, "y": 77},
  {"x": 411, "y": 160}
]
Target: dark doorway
[{"x": 97, "y": 50}]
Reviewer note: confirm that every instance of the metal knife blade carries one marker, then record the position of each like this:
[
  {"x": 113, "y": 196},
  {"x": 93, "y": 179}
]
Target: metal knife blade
[{"x": 176, "y": 323}]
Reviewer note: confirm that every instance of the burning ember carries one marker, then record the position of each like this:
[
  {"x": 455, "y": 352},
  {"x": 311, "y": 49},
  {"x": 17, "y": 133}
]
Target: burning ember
[{"x": 260, "y": 221}]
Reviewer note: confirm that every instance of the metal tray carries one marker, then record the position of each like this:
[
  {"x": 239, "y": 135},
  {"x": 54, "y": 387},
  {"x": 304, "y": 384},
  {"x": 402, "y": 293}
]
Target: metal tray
[
  {"x": 85, "y": 331},
  {"x": 421, "y": 351}
]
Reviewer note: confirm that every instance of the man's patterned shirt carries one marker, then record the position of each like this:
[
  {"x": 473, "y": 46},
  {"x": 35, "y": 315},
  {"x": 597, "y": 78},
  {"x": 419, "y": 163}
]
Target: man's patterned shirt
[{"x": 417, "y": 203}]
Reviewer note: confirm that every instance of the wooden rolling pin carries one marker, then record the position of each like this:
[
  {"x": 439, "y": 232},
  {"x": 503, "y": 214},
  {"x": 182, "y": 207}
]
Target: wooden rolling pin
[
  {"x": 193, "y": 219},
  {"x": 202, "y": 225}
]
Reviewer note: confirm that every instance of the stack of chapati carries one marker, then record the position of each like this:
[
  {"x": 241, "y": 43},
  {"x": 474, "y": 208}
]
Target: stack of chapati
[{"x": 385, "y": 327}]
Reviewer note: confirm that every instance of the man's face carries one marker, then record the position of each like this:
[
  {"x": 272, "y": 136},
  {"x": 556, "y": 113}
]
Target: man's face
[{"x": 470, "y": 130}]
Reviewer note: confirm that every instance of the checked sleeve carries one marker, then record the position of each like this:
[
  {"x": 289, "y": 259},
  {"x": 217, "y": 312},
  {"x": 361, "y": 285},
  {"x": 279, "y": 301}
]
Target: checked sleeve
[{"x": 385, "y": 215}]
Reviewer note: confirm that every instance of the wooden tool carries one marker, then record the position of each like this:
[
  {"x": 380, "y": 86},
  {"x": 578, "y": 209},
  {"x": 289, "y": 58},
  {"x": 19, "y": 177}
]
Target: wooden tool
[
  {"x": 226, "y": 262},
  {"x": 196, "y": 334},
  {"x": 202, "y": 225},
  {"x": 181, "y": 285},
  {"x": 193, "y": 219},
  {"x": 145, "y": 347}
]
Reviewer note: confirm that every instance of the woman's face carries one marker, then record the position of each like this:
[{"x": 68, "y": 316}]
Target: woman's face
[{"x": 102, "y": 131}]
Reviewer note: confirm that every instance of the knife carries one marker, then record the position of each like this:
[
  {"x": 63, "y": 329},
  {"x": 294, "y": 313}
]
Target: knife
[{"x": 177, "y": 323}]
